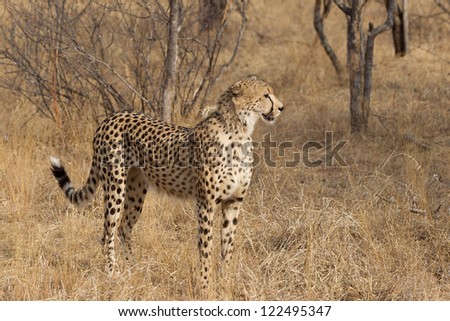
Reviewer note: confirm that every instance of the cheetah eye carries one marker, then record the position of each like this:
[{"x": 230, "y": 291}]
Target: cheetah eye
[{"x": 267, "y": 95}]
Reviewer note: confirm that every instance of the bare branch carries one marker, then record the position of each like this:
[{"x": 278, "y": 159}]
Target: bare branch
[
  {"x": 327, "y": 4},
  {"x": 442, "y": 6},
  {"x": 65, "y": 57},
  {"x": 343, "y": 7},
  {"x": 318, "y": 26},
  {"x": 110, "y": 68},
  {"x": 374, "y": 32}
]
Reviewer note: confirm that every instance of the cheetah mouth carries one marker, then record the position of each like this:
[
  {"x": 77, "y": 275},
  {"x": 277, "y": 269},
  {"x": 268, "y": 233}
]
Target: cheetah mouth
[{"x": 268, "y": 117}]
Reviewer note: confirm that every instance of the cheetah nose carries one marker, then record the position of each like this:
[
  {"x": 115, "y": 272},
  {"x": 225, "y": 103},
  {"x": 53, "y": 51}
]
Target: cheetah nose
[{"x": 281, "y": 108}]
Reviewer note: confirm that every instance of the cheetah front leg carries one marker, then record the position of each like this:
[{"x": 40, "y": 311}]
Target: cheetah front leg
[
  {"x": 205, "y": 220},
  {"x": 230, "y": 211}
]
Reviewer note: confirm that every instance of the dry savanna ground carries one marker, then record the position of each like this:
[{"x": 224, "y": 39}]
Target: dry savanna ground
[{"x": 375, "y": 229}]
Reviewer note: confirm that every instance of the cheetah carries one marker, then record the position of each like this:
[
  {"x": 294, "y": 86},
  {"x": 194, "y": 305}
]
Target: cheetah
[{"x": 211, "y": 162}]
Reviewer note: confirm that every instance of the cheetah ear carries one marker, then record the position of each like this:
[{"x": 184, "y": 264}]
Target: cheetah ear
[
  {"x": 235, "y": 91},
  {"x": 236, "y": 95},
  {"x": 233, "y": 105},
  {"x": 252, "y": 77},
  {"x": 235, "y": 100}
]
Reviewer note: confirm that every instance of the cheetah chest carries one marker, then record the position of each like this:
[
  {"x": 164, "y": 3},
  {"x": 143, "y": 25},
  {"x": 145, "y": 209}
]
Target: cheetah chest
[{"x": 227, "y": 167}]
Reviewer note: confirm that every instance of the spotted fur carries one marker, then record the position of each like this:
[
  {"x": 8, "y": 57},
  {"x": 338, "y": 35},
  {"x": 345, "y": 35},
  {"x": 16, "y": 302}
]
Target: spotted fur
[{"x": 211, "y": 162}]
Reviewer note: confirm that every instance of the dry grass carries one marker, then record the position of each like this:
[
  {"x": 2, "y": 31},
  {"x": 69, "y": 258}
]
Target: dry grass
[{"x": 326, "y": 233}]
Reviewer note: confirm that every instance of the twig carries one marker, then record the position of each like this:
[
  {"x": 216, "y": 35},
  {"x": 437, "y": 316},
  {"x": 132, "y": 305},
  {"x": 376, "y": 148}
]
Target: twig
[
  {"x": 238, "y": 42},
  {"x": 110, "y": 68},
  {"x": 433, "y": 54},
  {"x": 409, "y": 138},
  {"x": 417, "y": 211}
]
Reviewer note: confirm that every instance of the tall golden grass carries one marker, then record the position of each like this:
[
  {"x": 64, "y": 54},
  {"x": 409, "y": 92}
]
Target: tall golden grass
[{"x": 377, "y": 229}]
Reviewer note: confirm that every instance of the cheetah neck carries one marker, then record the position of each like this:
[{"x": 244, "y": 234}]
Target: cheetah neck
[
  {"x": 241, "y": 122},
  {"x": 248, "y": 121}
]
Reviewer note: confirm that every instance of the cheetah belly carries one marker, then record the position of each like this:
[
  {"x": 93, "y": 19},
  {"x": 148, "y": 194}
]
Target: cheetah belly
[{"x": 174, "y": 180}]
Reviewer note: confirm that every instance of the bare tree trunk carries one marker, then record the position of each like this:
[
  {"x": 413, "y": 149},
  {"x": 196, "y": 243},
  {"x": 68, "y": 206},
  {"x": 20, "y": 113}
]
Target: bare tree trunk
[
  {"x": 355, "y": 66},
  {"x": 368, "y": 63},
  {"x": 318, "y": 26},
  {"x": 168, "y": 89},
  {"x": 360, "y": 56},
  {"x": 400, "y": 27},
  {"x": 405, "y": 26}
]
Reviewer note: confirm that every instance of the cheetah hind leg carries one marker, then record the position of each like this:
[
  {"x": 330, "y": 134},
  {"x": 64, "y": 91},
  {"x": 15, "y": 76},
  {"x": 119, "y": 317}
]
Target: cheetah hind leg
[
  {"x": 114, "y": 194},
  {"x": 135, "y": 191}
]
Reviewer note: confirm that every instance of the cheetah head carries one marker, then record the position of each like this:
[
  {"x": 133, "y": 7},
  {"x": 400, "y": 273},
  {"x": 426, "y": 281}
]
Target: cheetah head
[{"x": 253, "y": 97}]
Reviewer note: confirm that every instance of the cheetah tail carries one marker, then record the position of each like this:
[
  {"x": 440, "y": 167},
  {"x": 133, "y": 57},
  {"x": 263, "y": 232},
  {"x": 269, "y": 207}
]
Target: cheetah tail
[{"x": 79, "y": 197}]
